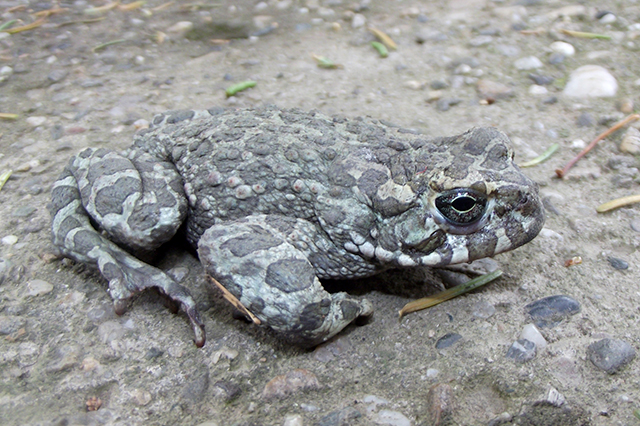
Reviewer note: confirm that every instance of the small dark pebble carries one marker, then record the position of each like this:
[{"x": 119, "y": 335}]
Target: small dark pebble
[
  {"x": 585, "y": 120},
  {"x": 342, "y": 417},
  {"x": 610, "y": 355},
  {"x": 153, "y": 353},
  {"x": 541, "y": 80},
  {"x": 57, "y": 76},
  {"x": 57, "y": 132},
  {"x": 438, "y": 84},
  {"x": 550, "y": 100},
  {"x": 445, "y": 104},
  {"x": 522, "y": 350},
  {"x": 550, "y": 311},
  {"x": 556, "y": 58},
  {"x": 448, "y": 340},
  {"x": 618, "y": 263}
]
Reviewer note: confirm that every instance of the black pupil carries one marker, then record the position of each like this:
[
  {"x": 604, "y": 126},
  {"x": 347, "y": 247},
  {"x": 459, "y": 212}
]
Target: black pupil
[{"x": 463, "y": 204}]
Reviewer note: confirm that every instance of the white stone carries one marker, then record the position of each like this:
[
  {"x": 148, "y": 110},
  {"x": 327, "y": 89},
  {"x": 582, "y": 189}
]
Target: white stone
[
  {"x": 609, "y": 18},
  {"x": 38, "y": 288},
  {"x": 6, "y": 71},
  {"x": 591, "y": 81},
  {"x": 9, "y": 240},
  {"x": 358, "y": 21},
  {"x": 35, "y": 121},
  {"x": 293, "y": 420},
  {"x": 563, "y": 47},
  {"x": 537, "y": 90},
  {"x": 181, "y": 27},
  {"x": 532, "y": 334},
  {"x": 528, "y": 63},
  {"x": 392, "y": 418}
]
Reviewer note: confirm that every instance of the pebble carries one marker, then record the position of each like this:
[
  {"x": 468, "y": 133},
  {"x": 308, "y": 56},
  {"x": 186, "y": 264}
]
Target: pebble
[
  {"x": 445, "y": 104},
  {"x": 493, "y": 90},
  {"x": 522, "y": 350},
  {"x": 196, "y": 386},
  {"x": 556, "y": 58},
  {"x": 392, "y": 418},
  {"x": 537, "y": 90},
  {"x": 541, "y": 80},
  {"x": 5, "y": 73},
  {"x": 508, "y": 50},
  {"x": 225, "y": 353},
  {"x": 585, "y": 120},
  {"x": 608, "y": 18},
  {"x": 618, "y": 263},
  {"x": 109, "y": 331},
  {"x": 631, "y": 141},
  {"x": 448, "y": 340},
  {"x": 38, "y": 288},
  {"x": 35, "y": 121},
  {"x": 550, "y": 311},
  {"x": 289, "y": 383},
  {"x": 531, "y": 333},
  {"x": 293, "y": 420},
  {"x": 555, "y": 398},
  {"x": 227, "y": 391},
  {"x": 64, "y": 358},
  {"x": 591, "y": 81},
  {"x": 610, "y": 355},
  {"x": 483, "y": 310},
  {"x": 481, "y": 40},
  {"x": 358, "y": 21},
  {"x": 140, "y": 397},
  {"x": 340, "y": 417},
  {"x": 528, "y": 63},
  {"x": 180, "y": 28},
  {"x": 563, "y": 48},
  {"x": 57, "y": 76},
  {"x": 9, "y": 240},
  {"x": 440, "y": 403},
  {"x": 10, "y": 324},
  {"x": 332, "y": 349}
]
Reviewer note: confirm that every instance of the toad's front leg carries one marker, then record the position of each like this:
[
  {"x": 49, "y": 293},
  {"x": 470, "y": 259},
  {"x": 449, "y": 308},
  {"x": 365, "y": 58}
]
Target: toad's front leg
[{"x": 262, "y": 267}]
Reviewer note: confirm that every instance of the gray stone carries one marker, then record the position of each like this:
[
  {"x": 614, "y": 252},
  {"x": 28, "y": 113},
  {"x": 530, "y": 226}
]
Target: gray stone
[
  {"x": 551, "y": 311},
  {"x": 610, "y": 355},
  {"x": 448, "y": 340},
  {"x": 522, "y": 350}
]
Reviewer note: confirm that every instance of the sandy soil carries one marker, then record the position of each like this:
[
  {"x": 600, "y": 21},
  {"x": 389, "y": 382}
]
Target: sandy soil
[{"x": 63, "y": 348}]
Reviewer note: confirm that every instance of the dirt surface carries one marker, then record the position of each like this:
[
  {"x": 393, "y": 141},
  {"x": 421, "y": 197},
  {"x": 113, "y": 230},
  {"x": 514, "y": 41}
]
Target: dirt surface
[{"x": 63, "y": 351}]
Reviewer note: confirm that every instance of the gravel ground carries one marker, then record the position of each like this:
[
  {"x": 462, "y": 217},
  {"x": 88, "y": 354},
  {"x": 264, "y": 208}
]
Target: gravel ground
[{"x": 88, "y": 77}]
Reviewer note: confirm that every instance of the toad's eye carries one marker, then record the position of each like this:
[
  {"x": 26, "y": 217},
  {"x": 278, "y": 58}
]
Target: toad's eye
[{"x": 462, "y": 206}]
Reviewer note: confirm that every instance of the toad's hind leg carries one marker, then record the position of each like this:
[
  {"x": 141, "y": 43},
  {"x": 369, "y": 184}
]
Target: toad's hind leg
[
  {"x": 138, "y": 202},
  {"x": 274, "y": 280}
]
